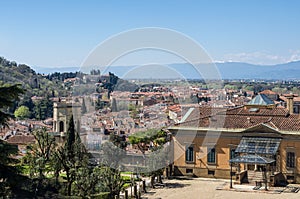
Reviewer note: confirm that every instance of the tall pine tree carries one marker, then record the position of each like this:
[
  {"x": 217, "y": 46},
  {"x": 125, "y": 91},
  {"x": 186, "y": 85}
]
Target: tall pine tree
[{"x": 83, "y": 107}]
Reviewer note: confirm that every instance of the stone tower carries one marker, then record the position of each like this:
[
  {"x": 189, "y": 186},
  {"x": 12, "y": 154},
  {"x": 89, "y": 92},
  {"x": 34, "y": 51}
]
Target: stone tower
[{"x": 62, "y": 112}]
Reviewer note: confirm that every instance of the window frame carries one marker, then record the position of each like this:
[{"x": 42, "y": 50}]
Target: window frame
[
  {"x": 232, "y": 153},
  {"x": 290, "y": 160},
  {"x": 211, "y": 159},
  {"x": 189, "y": 154}
]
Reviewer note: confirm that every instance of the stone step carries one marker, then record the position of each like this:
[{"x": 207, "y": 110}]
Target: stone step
[{"x": 255, "y": 176}]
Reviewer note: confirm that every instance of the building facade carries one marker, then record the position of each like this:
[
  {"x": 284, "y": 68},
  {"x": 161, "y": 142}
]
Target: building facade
[
  {"x": 237, "y": 142},
  {"x": 62, "y": 112}
]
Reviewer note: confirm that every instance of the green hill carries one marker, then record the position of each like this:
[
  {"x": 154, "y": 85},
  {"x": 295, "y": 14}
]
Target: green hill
[{"x": 34, "y": 84}]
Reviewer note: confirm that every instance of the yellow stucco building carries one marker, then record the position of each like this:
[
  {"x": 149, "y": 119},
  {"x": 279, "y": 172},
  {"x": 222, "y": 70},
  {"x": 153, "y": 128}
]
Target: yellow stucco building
[{"x": 251, "y": 143}]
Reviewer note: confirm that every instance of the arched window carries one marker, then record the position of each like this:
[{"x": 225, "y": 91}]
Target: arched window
[{"x": 61, "y": 126}]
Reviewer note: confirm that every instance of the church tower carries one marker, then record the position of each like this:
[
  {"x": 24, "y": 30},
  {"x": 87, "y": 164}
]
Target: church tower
[{"x": 62, "y": 112}]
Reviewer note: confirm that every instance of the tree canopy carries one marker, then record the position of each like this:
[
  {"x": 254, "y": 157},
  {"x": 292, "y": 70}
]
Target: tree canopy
[
  {"x": 152, "y": 140},
  {"x": 8, "y": 95},
  {"x": 22, "y": 112}
]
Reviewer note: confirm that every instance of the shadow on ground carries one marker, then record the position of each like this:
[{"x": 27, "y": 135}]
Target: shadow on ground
[{"x": 171, "y": 185}]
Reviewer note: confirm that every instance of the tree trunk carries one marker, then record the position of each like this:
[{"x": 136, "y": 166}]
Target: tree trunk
[
  {"x": 40, "y": 173},
  {"x": 152, "y": 181},
  {"x": 69, "y": 187},
  {"x": 159, "y": 179},
  {"x": 56, "y": 173}
]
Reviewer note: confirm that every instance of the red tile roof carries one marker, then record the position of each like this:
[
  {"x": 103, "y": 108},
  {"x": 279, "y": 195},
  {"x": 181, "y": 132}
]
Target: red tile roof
[
  {"x": 268, "y": 92},
  {"x": 21, "y": 139},
  {"x": 242, "y": 118}
]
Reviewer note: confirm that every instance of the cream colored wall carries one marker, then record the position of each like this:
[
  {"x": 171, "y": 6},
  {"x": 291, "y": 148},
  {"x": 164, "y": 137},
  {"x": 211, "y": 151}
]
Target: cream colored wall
[
  {"x": 292, "y": 145},
  {"x": 224, "y": 143},
  {"x": 222, "y": 146}
]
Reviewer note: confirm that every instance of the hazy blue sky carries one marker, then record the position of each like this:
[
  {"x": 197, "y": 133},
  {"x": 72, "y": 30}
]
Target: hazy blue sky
[{"x": 62, "y": 33}]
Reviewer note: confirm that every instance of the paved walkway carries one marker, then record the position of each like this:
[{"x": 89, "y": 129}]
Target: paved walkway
[{"x": 202, "y": 188}]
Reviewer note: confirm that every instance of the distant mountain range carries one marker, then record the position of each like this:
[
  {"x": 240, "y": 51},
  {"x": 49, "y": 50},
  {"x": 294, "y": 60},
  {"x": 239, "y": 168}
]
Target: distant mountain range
[
  {"x": 236, "y": 70},
  {"x": 227, "y": 70}
]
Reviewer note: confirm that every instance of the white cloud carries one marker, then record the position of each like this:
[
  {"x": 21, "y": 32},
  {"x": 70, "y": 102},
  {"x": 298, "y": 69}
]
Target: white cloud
[
  {"x": 262, "y": 57},
  {"x": 295, "y": 55}
]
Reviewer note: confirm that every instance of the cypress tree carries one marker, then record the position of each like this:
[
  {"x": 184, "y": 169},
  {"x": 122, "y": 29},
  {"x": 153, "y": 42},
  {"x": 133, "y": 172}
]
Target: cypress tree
[{"x": 83, "y": 107}]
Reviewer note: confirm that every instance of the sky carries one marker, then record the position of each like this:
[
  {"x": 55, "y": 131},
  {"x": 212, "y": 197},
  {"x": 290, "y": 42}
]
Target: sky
[{"x": 63, "y": 33}]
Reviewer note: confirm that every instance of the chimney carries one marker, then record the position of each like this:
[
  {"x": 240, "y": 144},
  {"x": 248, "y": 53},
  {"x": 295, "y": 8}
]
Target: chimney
[
  {"x": 249, "y": 120},
  {"x": 290, "y": 103}
]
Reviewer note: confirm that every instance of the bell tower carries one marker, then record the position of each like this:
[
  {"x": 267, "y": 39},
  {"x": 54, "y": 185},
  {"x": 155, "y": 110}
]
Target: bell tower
[{"x": 62, "y": 112}]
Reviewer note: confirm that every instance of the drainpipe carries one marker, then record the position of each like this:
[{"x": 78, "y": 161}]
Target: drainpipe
[{"x": 231, "y": 176}]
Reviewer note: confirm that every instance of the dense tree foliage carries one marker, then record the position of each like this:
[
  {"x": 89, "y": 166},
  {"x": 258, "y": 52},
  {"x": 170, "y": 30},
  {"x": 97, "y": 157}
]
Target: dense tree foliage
[
  {"x": 62, "y": 76},
  {"x": 8, "y": 172},
  {"x": 22, "y": 112},
  {"x": 43, "y": 108},
  {"x": 9, "y": 94},
  {"x": 41, "y": 153},
  {"x": 143, "y": 138}
]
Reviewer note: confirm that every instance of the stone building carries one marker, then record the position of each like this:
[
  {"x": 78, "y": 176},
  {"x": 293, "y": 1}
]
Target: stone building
[{"x": 62, "y": 112}]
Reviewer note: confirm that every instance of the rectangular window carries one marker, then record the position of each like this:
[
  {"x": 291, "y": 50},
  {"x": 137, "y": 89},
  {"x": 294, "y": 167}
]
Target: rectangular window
[
  {"x": 211, "y": 156},
  {"x": 232, "y": 153},
  {"x": 290, "y": 159},
  {"x": 211, "y": 172},
  {"x": 189, "y": 154}
]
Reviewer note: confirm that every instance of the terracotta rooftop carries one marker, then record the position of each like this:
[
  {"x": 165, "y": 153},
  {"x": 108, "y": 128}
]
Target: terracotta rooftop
[
  {"x": 268, "y": 92},
  {"x": 242, "y": 118},
  {"x": 21, "y": 139}
]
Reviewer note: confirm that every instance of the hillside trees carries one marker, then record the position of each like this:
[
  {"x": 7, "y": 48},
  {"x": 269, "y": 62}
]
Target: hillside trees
[{"x": 43, "y": 108}]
